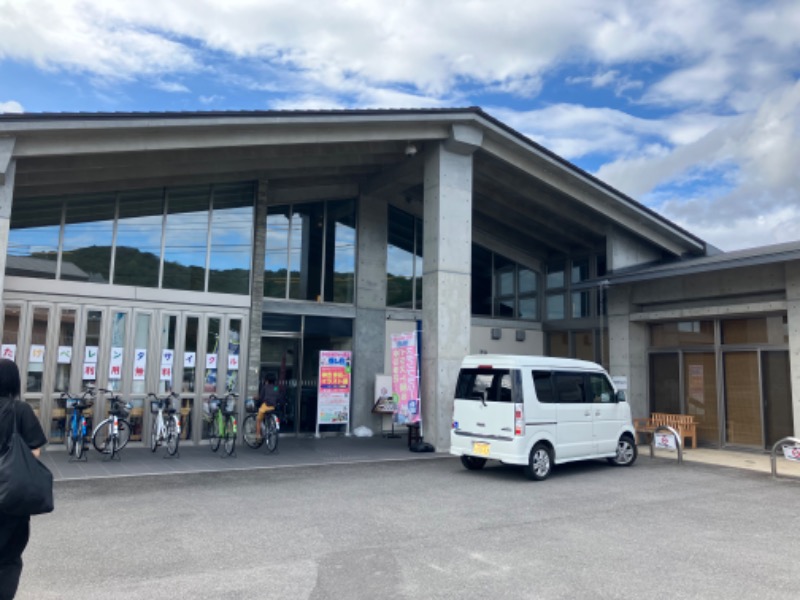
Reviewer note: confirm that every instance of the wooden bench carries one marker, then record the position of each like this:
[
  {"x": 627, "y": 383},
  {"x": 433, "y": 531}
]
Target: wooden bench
[{"x": 685, "y": 425}]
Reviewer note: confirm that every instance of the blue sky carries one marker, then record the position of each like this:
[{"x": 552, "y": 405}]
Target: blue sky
[{"x": 692, "y": 108}]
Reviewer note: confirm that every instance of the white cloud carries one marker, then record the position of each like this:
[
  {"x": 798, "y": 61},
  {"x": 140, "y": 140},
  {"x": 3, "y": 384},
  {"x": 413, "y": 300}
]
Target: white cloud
[
  {"x": 172, "y": 87},
  {"x": 11, "y": 106}
]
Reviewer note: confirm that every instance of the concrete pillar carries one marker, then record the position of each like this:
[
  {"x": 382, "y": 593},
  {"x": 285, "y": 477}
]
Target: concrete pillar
[
  {"x": 8, "y": 168},
  {"x": 257, "y": 290},
  {"x": 447, "y": 252},
  {"x": 628, "y": 344},
  {"x": 370, "y": 326},
  {"x": 793, "y": 322}
]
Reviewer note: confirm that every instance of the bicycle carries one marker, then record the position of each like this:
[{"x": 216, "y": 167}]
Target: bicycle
[
  {"x": 164, "y": 429},
  {"x": 75, "y": 434},
  {"x": 270, "y": 428},
  {"x": 222, "y": 425},
  {"x": 114, "y": 432}
]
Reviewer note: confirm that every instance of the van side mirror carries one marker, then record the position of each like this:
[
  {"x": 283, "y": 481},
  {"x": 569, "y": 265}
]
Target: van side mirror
[{"x": 620, "y": 396}]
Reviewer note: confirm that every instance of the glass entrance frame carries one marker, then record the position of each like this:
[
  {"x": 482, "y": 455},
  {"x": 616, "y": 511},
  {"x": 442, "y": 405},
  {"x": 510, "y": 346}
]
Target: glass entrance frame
[{"x": 731, "y": 374}]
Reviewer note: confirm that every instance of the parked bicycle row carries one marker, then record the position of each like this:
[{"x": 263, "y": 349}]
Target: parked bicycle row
[{"x": 261, "y": 425}]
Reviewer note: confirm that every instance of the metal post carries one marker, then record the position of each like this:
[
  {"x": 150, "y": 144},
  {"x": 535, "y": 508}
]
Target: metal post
[
  {"x": 675, "y": 434},
  {"x": 786, "y": 440}
]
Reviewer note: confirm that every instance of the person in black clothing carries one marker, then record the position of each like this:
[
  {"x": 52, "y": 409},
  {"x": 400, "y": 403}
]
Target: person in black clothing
[{"x": 14, "y": 531}]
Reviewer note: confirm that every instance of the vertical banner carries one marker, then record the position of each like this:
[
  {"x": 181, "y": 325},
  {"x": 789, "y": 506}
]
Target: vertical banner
[
  {"x": 333, "y": 395},
  {"x": 405, "y": 378}
]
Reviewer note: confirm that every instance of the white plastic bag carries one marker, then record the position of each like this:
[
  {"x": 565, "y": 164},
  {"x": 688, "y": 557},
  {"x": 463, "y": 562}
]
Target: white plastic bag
[{"x": 362, "y": 431}]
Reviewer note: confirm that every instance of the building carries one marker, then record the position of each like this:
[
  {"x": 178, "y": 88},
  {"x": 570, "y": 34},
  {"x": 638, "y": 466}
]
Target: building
[{"x": 200, "y": 251}]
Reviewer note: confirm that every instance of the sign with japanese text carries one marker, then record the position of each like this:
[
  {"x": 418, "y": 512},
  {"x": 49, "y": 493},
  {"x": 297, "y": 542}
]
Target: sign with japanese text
[
  {"x": 167, "y": 357},
  {"x": 405, "y": 378},
  {"x": 211, "y": 361},
  {"x": 233, "y": 362},
  {"x": 139, "y": 364},
  {"x": 64, "y": 355},
  {"x": 165, "y": 374},
  {"x": 792, "y": 452},
  {"x": 333, "y": 395},
  {"x": 189, "y": 360},
  {"x": 89, "y": 371},
  {"x": 9, "y": 351},
  {"x": 90, "y": 354},
  {"x": 36, "y": 354},
  {"x": 665, "y": 441}
]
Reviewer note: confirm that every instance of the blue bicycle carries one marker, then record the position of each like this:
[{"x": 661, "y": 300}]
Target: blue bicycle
[{"x": 76, "y": 423}]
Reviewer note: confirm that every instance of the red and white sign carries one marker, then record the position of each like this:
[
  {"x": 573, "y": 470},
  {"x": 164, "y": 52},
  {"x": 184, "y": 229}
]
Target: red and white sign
[
  {"x": 89, "y": 371},
  {"x": 665, "y": 441},
  {"x": 792, "y": 452}
]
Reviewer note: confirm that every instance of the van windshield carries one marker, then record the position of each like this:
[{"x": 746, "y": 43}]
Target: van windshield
[{"x": 489, "y": 385}]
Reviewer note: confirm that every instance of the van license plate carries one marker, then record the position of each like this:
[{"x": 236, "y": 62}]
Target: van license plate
[{"x": 480, "y": 448}]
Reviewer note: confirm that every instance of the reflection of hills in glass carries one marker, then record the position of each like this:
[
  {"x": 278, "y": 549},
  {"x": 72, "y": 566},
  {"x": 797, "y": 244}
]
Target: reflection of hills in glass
[{"x": 132, "y": 267}]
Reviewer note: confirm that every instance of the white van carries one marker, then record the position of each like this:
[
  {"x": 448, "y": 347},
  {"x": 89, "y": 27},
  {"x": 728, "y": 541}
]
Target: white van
[{"x": 538, "y": 411}]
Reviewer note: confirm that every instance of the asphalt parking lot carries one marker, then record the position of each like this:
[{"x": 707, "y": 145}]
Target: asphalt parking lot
[{"x": 421, "y": 529}]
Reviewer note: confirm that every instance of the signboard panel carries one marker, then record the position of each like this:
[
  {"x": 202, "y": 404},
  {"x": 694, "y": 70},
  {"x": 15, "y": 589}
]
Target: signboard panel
[{"x": 333, "y": 393}]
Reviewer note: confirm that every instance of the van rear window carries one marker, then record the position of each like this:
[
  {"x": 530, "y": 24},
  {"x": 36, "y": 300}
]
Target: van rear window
[{"x": 489, "y": 385}]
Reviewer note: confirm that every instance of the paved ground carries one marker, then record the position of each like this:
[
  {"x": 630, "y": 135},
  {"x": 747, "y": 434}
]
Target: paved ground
[{"x": 420, "y": 528}]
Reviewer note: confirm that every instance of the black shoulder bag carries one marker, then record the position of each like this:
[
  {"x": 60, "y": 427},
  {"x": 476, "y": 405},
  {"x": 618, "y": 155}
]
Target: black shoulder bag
[{"x": 26, "y": 485}]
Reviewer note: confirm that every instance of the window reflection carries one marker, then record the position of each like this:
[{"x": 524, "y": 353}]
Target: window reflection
[
  {"x": 33, "y": 238},
  {"x": 305, "y": 251},
  {"x": 138, "y": 246},
  {"x": 340, "y": 254},
  {"x": 88, "y": 237},
  {"x": 186, "y": 238},
  {"x": 400, "y": 262},
  {"x": 276, "y": 255},
  {"x": 231, "y": 239}
]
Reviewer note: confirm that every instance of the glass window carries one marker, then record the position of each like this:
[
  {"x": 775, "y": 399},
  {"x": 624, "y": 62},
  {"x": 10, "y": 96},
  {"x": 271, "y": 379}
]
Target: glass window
[
  {"x": 231, "y": 239},
  {"x": 527, "y": 281},
  {"x": 757, "y": 330},
  {"x": 186, "y": 238},
  {"x": 665, "y": 388},
  {"x": 33, "y": 238},
  {"x": 581, "y": 305},
  {"x": 212, "y": 356},
  {"x": 580, "y": 270},
  {"x": 141, "y": 341},
  {"x": 570, "y": 388},
  {"x": 682, "y": 333},
  {"x": 400, "y": 259},
  {"x": 340, "y": 252},
  {"x": 418, "y": 262},
  {"x": 558, "y": 343},
  {"x": 169, "y": 330},
  {"x": 276, "y": 253},
  {"x": 11, "y": 327},
  {"x": 37, "y": 352},
  {"x": 138, "y": 247},
  {"x": 94, "y": 325},
  {"x": 190, "y": 348},
  {"x": 543, "y": 383},
  {"x": 118, "y": 324},
  {"x": 700, "y": 393},
  {"x": 555, "y": 275},
  {"x": 88, "y": 237},
  {"x": 481, "y": 281},
  {"x": 505, "y": 287},
  {"x": 584, "y": 345},
  {"x": 555, "y": 306},
  {"x": 66, "y": 340},
  {"x": 487, "y": 385},
  {"x": 305, "y": 251},
  {"x": 600, "y": 390},
  {"x": 234, "y": 349}
]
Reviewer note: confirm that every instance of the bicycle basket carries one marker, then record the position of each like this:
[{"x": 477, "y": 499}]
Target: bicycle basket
[
  {"x": 123, "y": 409},
  {"x": 155, "y": 405},
  {"x": 230, "y": 405},
  {"x": 250, "y": 405},
  {"x": 71, "y": 402},
  {"x": 213, "y": 405}
]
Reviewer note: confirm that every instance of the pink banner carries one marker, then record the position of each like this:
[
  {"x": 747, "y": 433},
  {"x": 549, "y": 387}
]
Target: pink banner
[{"x": 405, "y": 378}]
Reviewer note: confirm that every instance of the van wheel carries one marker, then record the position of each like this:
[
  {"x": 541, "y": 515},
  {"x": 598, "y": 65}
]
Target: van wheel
[
  {"x": 473, "y": 463},
  {"x": 540, "y": 462},
  {"x": 626, "y": 452}
]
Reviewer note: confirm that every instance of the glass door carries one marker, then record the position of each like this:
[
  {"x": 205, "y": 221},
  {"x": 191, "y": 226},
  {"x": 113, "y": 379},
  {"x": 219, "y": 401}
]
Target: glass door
[
  {"x": 743, "y": 410},
  {"x": 700, "y": 392},
  {"x": 280, "y": 366},
  {"x": 777, "y": 387}
]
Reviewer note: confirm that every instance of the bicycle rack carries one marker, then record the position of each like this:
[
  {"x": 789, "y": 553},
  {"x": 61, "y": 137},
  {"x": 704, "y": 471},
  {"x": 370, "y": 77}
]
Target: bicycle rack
[
  {"x": 675, "y": 435},
  {"x": 773, "y": 454}
]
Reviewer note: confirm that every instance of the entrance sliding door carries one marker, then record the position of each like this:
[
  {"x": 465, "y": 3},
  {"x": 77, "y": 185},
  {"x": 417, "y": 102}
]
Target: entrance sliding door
[
  {"x": 743, "y": 422},
  {"x": 280, "y": 361},
  {"x": 777, "y": 387}
]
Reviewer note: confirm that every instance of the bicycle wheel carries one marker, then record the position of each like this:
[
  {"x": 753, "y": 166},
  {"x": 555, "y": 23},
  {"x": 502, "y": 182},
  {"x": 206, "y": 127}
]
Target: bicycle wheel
[
  {"x": 78, "y": 440},
  {"x": 213, "y": 432},
  {"x": 70, "y": 435},
  {"x": 249, "y": 433},
  {"x": 123, "y": 433},
  {"x": 172, "y": 436},
  {"x": 230, "y": 435},
  {"x": 154, "y": 435},
  {"x": 272, "y": 433},
  {"x": 101, "y": 436}
]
